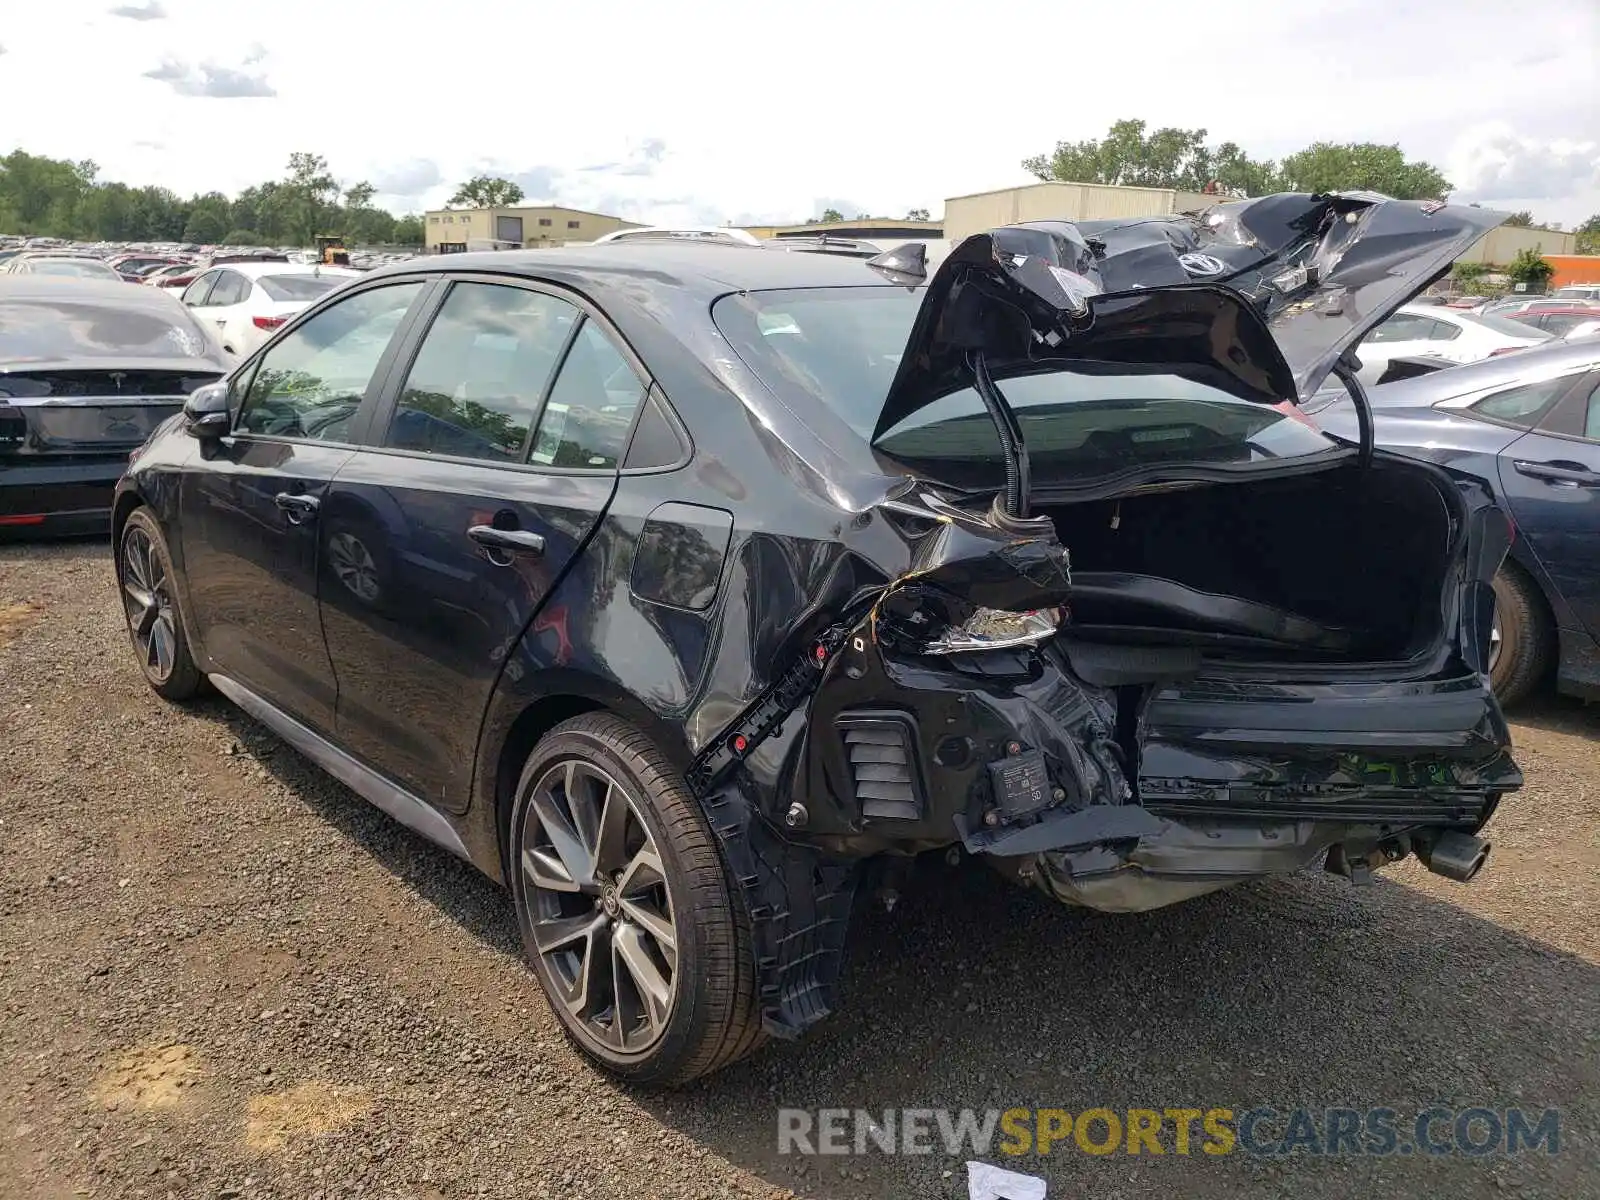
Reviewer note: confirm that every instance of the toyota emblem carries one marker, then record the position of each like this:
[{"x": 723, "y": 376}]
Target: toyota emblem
[{"x": 1202, "y": 264}]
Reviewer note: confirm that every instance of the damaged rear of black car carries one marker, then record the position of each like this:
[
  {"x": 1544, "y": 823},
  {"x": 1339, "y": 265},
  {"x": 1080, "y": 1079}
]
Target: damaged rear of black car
[
  {"x": 1146, "y": 631},
  {"x": 798, "y": 567}
]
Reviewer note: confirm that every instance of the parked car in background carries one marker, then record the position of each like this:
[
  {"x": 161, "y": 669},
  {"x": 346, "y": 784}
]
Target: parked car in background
[
  {"x": 1568, "y": 322},
  {"x": 136, "y": 267},
  {"x": 1577, "y": 291},
  {"x": 1443, "y": 333},
  {"x": 683, "y": 586},
  {"x": 72, "y": 266},
  {"x": 177, "y": 276},
  {"x": 88, "y": 368},
  {"x": 1528, "y": 425},
  {"x": 248, "y": 299}
]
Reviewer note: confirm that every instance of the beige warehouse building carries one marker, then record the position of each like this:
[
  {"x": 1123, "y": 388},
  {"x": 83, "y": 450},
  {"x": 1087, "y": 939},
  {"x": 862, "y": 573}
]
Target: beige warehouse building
[
  {"x": 967, "y": 215},
  {"x": 451, "y": 230}
]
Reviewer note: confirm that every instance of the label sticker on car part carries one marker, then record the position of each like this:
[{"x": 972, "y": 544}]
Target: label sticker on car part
[{"x": 1021, "y": 783}]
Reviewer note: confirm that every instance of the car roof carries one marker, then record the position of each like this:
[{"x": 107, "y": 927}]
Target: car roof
[
  {"x": 56, "y": 288},
  {"x": 707, "y": 268},
  {"x": 1552, "y": 357},
  {"x": 255, "y": 270}
]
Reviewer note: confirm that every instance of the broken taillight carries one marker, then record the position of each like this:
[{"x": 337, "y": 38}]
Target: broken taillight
[{"x": 995, "y": 629}]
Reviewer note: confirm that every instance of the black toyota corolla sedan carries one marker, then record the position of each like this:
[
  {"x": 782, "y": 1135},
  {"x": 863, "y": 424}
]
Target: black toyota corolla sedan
[{"x": 690, "y": 589}]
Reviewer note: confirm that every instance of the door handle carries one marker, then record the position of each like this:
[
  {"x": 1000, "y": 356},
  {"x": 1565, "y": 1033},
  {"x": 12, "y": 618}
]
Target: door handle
[
  {"x": 296, "y": 507},
  {"x": 511, "y": 541},
  {"x": 1571, "y": 474}
]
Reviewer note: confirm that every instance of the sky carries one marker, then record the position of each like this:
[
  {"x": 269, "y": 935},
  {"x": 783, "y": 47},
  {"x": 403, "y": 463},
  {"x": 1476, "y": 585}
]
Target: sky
[{"x": 749, "y": 113}]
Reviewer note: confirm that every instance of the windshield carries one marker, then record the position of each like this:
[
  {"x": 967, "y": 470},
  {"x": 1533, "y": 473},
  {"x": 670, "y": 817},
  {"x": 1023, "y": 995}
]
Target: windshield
[
  {"x": 298, "y": 287},
  {"x": 62, "y": 330},
  {"x": 842, "y": 346}
]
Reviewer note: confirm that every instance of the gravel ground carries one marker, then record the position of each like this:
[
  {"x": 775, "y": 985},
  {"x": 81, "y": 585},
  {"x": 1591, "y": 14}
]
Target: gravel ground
[{"x": 221, "y": 975}]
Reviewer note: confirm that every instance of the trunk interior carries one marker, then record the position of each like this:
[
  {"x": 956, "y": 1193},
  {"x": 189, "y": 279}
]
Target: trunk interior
[{"x": 1344, "y": 566}]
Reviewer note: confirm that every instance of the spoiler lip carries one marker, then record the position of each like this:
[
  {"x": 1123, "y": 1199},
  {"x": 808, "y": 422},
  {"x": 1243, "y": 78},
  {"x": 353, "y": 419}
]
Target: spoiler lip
[{"x": 1312, "y": 273}]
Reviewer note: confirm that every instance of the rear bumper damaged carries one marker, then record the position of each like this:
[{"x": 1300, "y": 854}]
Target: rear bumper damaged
[{"x": 1121, "y": 781}]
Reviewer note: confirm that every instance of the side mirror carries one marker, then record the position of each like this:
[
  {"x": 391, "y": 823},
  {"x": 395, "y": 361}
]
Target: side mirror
[{"x": 205, "y": 412}]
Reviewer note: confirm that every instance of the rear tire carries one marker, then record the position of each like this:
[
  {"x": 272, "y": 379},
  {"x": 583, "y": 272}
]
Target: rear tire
[
  {"x": 648, "y": 968},
  {"x": 150, "y": 606},
  {"x": 1523, "y": 657}
]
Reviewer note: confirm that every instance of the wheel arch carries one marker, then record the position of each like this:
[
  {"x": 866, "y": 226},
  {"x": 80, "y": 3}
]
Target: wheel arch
[
  {"x": 516, "y": 723},
  {"x": 1538, "y": 585}
]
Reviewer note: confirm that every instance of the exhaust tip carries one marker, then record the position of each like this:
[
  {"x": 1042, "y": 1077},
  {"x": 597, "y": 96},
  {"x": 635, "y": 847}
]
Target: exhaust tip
[{"x": 1456, "y": 856}]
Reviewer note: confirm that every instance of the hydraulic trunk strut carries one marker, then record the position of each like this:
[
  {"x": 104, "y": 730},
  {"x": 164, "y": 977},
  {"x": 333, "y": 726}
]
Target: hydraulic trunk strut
[
  {"x": 1012, "y": 446},
  {"x": 1345, "y": 372}
]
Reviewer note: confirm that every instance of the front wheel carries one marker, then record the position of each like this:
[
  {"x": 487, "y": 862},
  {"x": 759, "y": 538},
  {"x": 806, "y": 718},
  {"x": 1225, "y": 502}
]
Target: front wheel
[
  {"x": 625, "y": 907},
  {"x": 150, "y": 604}
]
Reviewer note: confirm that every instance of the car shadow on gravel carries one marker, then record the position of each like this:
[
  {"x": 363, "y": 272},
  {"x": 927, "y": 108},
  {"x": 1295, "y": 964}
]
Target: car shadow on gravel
[
  {"x": 1298, "y": 991},
  {"x": 1559, "y": 714},
  {"x": 455, "y": 888}
]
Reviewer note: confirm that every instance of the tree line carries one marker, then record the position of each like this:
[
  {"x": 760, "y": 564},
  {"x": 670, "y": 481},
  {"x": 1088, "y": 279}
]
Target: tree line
[
  {"x": 48, "y": 197},
  {"x": 1133, "y": 155}
]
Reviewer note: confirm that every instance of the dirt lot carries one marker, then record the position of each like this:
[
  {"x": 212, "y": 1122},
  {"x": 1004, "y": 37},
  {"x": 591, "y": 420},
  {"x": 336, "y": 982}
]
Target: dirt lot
[{"x": 223, "y": 975}]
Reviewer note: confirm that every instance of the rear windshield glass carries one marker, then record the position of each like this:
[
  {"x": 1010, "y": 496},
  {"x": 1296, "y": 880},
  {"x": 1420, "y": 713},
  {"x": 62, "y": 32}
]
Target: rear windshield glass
[
  {"x": 842, "y": 346},
  {"x": 60, "y": 329},
  {"x": 298, "y": 287},
  {"x": 1503, "y": 325},
  {"x": 70, "y": 266}
]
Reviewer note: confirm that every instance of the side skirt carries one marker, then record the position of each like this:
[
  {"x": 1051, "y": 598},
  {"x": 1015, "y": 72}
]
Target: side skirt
[{"x": 400, "y": 804}]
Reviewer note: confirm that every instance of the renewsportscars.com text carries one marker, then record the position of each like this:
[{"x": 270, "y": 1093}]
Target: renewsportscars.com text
[{"x": 1473, "y": 1132}]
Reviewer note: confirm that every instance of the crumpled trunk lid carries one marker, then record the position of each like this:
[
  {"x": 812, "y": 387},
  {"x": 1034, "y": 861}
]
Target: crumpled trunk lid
[{"x": 1260, "y": 298}]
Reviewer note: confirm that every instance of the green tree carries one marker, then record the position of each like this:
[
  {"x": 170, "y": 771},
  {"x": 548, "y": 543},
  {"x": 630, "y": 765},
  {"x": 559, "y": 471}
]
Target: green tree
[
  {"x": 407, "y": 231},
  {"x": 830, "y": 214},
  {"x": 917, "y": 214},
  {"x": 1469, "y": 274},
  {"x": 1529, "y": 267},
  {"x": 209, "y": 219},
  {"x": 1523, "y": 219},
  {"x": 487, "y": 191},
  {"x": 205, "y": 226},
  {"x": 359, "y": 195},
  {"x": 311, "y": 195},
  {"x": 1589, "y": 236},
  {"x": 240, "y": 237},
  {"x": 1326, "y": 167},
  {"x": 1131, "y": 155}
]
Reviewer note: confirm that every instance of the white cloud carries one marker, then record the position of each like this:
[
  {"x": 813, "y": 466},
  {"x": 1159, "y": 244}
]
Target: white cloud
[
  {"x": 746, "y": 129},
  {"x": 210, "y": 79},
  {"x": 1494, "y": 162},
  {"x": 150, "y": 11}
]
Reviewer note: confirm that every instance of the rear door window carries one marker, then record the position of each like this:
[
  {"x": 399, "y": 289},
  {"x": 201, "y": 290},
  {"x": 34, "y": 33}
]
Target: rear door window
[
  {"x": 196, "y": 293},
  {"x": 310, "y": 383},
  {"x": 586, "y": 422},
  {"x": 1403, "y": 327},
  {"x": 475, "y": 386},
  {"x": 1523, "y": 406},
  {"x": 230, "y": 288}
]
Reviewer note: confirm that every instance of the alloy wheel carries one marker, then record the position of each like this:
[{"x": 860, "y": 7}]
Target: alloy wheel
[
  {"x": 600, "y": 912},
  {"x": 353, "y": 566},
  {"x": 147, "y": 601}
]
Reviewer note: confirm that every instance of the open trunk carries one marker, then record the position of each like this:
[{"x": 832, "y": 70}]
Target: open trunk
[{"x": 1339, "y": 566}]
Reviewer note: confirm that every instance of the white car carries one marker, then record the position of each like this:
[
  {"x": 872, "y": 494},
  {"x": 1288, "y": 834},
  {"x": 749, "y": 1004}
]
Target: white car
[
  {"x": 244, "y": 302},
  {"x": 1429, "y": 331}
]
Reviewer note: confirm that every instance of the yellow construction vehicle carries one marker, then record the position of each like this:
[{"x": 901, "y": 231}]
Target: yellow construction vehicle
[{"x": 331, "y": 252}]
